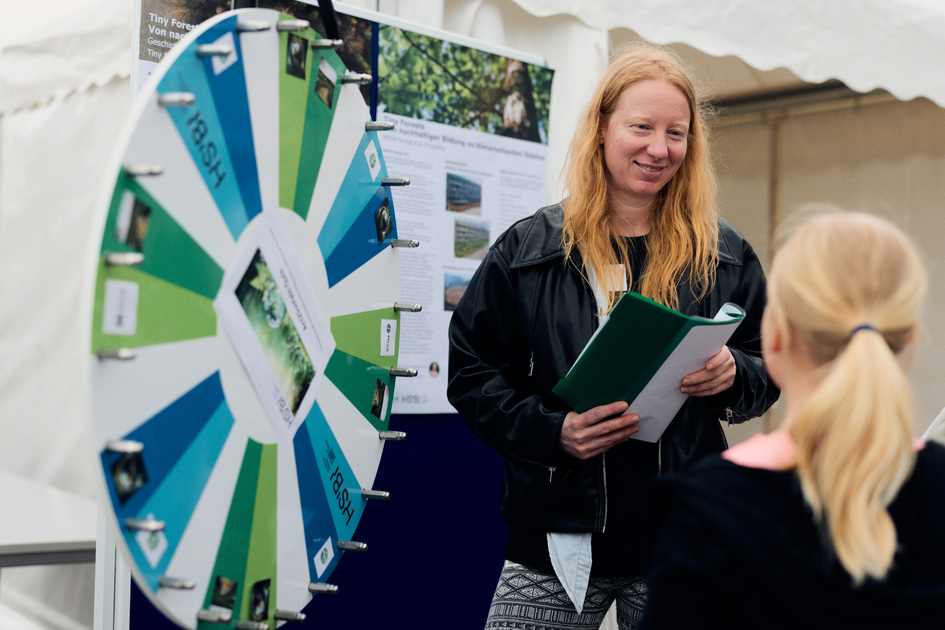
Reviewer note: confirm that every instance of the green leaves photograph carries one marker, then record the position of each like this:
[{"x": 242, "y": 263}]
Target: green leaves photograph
[{"x": 430, "y": 79}]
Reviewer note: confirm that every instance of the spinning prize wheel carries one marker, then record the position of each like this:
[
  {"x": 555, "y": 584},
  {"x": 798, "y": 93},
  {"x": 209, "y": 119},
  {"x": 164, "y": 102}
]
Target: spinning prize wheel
[{"x": 245, "y": 323}]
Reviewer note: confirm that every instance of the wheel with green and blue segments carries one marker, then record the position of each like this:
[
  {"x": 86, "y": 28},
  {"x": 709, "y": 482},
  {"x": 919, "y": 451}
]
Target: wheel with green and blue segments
[{"x": 243, "y": 328}]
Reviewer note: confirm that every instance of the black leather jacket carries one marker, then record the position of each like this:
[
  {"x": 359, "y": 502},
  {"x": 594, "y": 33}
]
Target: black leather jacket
[{"x": 521, "y": 324}]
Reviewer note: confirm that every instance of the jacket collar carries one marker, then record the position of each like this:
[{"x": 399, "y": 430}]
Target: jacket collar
[
  {"x": 728, "y": 239},
  {"x": 542, "y": 238}
]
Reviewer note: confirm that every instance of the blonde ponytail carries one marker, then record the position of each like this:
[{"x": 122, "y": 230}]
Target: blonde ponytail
[
  {"x": 840, "y": 274},
  {"x": 854, "y": 452}
]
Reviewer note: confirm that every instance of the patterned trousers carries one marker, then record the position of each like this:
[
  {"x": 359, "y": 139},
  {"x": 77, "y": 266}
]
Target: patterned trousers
[{"x": 526, "y": 599}]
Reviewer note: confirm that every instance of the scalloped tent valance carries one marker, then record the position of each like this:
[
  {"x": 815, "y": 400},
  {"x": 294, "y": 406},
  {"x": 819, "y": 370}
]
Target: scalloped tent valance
[
  {"x": 866, "y": 44},
  {"x": 68, "y": 48}
]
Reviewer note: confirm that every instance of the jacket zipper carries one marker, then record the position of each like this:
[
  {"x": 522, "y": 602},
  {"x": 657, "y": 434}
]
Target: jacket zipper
[
  {"x": 551, "y": 469},
  {"x": 730, "y": 416},
  {"x": 531, "y": 370},
  {"x": 659, "y": 456},
  {"x": 603, "y": 460}
]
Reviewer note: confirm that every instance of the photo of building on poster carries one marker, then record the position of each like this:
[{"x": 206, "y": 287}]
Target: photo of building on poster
[
  {"x": 471, "y": 238},
  {"x": 454, "y": 286},
  {"x": 463, "y": 193}
]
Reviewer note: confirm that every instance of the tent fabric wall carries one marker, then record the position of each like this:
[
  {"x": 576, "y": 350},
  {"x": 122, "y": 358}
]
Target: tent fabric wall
[
  {"x": 886, "y": 158},
  {"x": 48, "y": 158},
  {"x": 64, "y": 90},
  {"x": 51, "y": 160}
]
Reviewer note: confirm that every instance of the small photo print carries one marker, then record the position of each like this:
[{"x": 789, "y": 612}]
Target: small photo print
[
  {"x": 434, "y": 369},
  {"x": 383, "y": 221},
  {"x": 454, "y": 285},
  {"x": 470, "y": 238},
  {"x": 134, "y": 217},
  {"x": 296, "y": 51},
  {"x": 224, "y": 592},
  {"x": 463, "y": 194},
  {"x": 120, "y": 310},
  {"x": 269, "y": 318},
  {"x": 129, "y": 475},
  {"x": 259, "y": 601},
  {"x": 379, "y": 405},
  {"x": 325, "y": 83}
]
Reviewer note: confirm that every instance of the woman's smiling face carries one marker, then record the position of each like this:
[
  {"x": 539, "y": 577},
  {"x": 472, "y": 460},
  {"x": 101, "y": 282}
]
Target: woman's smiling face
[{"x": 645, "y": 140}]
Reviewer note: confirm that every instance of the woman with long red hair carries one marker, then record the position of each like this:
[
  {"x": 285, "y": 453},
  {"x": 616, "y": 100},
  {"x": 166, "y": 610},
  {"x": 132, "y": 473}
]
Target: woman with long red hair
[{"x": 640, "y": 215}]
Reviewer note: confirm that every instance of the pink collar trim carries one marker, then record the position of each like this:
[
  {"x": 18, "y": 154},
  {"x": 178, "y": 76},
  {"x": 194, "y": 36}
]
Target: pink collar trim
[{"x": 773, "y": 451}]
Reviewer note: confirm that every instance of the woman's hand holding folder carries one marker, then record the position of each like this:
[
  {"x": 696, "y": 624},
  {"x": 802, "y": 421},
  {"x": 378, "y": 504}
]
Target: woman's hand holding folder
[{"x": 584, "y": 435}]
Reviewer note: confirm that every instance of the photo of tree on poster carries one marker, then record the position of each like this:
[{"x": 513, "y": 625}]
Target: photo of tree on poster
[{"x": 431, "y": 79}]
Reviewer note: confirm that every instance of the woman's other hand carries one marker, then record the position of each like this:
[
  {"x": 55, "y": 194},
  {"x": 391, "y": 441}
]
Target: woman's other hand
[
  {"x": 584, "y": 435},
  {"x": 718, "y": 375}
]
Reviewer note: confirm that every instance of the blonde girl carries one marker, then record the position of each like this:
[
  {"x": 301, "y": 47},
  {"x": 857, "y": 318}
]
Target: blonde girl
[{"x": 836, "y": 519}]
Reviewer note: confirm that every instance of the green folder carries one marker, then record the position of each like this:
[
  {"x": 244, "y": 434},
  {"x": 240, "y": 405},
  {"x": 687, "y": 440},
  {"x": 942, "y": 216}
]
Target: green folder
[{"x": 640, "y": 354}]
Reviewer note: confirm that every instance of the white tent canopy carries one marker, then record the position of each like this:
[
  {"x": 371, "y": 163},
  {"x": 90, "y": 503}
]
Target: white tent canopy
[
  {"x": 49, "y": 57},
  {"x": 866, "y": 44}
]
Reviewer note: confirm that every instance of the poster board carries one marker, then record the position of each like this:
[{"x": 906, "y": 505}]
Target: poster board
[{"x": 470, "y": 132}]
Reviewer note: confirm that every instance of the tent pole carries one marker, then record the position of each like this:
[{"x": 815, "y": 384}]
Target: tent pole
[{"x": 775, "y": 119}]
